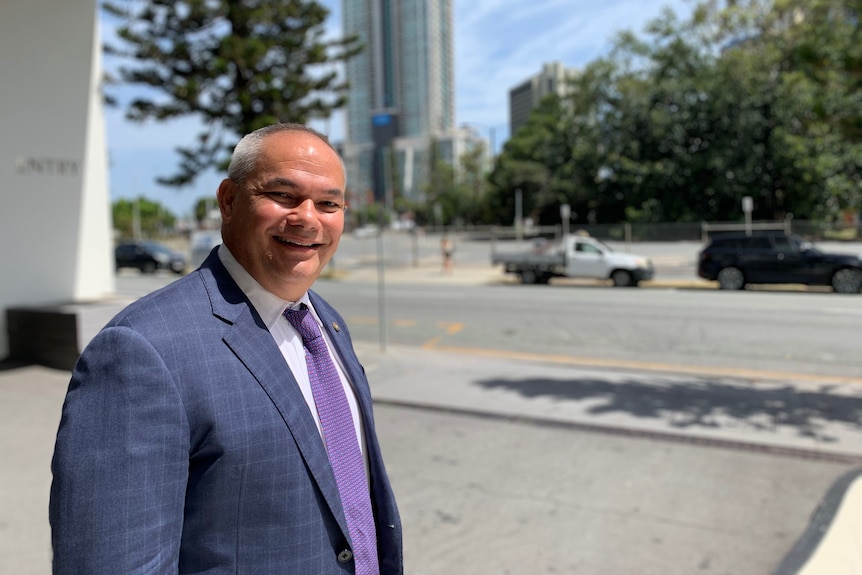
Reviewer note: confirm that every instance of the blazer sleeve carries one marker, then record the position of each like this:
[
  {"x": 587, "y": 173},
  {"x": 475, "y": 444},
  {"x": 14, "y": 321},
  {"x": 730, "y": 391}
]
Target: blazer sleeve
[{"x": 120, "y": 463}]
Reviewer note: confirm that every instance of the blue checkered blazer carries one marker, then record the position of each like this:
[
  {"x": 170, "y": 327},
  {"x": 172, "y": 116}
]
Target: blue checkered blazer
[{"x": 186, "y": 446}]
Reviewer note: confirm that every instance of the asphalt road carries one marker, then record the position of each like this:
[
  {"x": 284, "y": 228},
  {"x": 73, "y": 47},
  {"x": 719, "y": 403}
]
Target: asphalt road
[{"x": 811, "y": 334}]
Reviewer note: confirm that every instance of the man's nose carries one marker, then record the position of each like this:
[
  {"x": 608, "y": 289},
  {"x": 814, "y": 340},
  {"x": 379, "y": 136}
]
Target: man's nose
[{"x": 304, "y": 211}]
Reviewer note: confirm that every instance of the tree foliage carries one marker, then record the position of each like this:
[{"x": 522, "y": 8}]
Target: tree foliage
[
  {"x": 234, "y": 65},
  {"x": 752, "y": 98},
  {"x": 454, "y": 194},
  {"x": 204, "y": 208},
  {"x": 141, "y": 217}
]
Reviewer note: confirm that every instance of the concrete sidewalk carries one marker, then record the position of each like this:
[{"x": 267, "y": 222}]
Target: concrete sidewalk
[
  {"x": 728, "y": 472},
  {"x": 794, "y": 417}
]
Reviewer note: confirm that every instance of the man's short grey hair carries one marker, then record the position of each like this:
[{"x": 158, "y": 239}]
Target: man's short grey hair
[{"x": 247, "y": 152}]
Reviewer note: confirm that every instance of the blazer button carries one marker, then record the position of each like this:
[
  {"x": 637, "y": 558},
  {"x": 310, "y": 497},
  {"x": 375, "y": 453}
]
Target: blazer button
[{"x": 345, "y": 556}]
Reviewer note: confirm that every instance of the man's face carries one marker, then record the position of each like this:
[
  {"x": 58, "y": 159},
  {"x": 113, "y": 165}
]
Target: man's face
[{"x": 284, "y": 223}]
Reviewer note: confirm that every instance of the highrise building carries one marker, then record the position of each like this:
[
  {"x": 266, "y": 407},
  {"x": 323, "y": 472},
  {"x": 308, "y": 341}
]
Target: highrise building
[
  {"x": 523, "y": 98},
  {"x": 402, "y": 95}
]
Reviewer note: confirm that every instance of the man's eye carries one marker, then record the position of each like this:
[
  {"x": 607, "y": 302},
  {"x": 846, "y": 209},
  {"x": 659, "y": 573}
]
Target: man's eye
[
  {"x": 282, "y": 198},
  {"x": 329, "y": 206}
]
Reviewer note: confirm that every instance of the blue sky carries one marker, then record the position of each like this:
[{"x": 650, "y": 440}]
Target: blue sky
[{"x": 498, "y": 44}]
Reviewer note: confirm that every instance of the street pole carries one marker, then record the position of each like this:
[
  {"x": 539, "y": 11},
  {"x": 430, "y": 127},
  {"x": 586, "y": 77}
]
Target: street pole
[{"x": 519, "y": 216}]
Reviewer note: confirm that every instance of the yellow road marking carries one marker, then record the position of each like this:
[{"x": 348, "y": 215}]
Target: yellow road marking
[
  {"x": 651, "y": 366},
  {"x": 451, "y": 328}
]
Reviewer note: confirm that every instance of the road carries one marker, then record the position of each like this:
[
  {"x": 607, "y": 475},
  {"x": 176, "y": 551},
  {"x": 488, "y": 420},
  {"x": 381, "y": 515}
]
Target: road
[{"x": 809, "y": 334}]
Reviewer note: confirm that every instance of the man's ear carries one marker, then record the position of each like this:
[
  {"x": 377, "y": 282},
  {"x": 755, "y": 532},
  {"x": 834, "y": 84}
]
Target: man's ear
[{"x": 226, "y": 196}]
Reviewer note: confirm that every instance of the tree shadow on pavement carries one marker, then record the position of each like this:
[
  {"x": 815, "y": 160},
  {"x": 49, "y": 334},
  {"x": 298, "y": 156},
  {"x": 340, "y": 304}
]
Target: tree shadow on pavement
[{"x": 701, "y": 403}]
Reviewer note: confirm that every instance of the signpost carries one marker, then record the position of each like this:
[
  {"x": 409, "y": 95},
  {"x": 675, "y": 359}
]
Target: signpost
[{"x": 747, "y": 207}]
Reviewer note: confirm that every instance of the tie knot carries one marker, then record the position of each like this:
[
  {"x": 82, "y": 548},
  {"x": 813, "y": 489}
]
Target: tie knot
[{"x": 303, "y": 321}]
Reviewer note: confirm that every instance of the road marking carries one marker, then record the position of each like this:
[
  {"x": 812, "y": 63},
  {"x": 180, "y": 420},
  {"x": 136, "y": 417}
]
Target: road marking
[
  {"x": 671, "y": 368},
  {"x": 451, "y": 328}
]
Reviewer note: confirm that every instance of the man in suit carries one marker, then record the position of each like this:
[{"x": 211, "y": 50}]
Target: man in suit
[{"x": 193, "y": 438}]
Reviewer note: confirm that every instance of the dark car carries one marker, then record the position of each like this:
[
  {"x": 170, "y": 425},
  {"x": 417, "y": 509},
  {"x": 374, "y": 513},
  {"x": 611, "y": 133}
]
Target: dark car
[
  {"x": 148, "y": 257},
  {"x": 735, "y": 260}
]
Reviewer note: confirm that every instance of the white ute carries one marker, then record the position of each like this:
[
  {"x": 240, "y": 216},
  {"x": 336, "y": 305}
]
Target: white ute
[{"x": 576, "y": 257}]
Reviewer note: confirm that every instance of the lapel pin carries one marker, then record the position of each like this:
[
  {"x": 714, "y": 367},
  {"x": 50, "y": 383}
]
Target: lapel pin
[{"x": 335, "y": 326}]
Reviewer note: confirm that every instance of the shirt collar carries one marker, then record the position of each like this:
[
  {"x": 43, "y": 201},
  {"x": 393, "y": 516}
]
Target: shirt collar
[{"x": 269, "y": 306}]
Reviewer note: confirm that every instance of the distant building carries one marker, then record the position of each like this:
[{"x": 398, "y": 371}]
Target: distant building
[
  {"x": 401, "y": 96},
  {"x": 523, "y": 98},
  {"x": 413, "y": 157}
]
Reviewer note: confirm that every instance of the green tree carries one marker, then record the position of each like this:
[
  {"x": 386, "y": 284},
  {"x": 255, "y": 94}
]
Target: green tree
[
  {"x": 472, "y": 185},
  {"x": 814, "y": 75},
  {"x": 439, "y": 188},
  {"x": 680, "y": 124},
  {"x": 533, "y": 164},
  {"x": 204, "y": 207},
  {"x": 141, "y": 216},
  {"x": 235, "y": 65}
]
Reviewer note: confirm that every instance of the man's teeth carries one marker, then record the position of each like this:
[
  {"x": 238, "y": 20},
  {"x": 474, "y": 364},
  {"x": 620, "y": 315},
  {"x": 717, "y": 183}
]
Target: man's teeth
[{"x": 301, "y": 244}]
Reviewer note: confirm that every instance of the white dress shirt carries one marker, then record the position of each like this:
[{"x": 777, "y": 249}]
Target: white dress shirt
[{"x": 271, "y": 310}]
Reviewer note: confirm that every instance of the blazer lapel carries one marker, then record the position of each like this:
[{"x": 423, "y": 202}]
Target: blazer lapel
[
  {"x": 344, "y": 348},
  {"x": 252, "y": 343}
]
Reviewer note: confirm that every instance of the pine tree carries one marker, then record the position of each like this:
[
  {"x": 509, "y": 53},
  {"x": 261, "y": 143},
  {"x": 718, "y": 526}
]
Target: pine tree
[{"x": 235, "y": 65}]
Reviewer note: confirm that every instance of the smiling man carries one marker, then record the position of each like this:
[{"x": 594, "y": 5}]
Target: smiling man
[
  {"x": 283, "y": 213},
  {"x": 224, "y": 424}
]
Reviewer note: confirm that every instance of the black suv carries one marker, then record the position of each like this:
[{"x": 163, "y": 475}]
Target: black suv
[
  {"x": 148, "y": 257},
  {"x": 735, "y": 260}
]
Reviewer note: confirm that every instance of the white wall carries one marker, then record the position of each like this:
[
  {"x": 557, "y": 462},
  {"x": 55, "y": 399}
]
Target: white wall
[{"x": 55, "y": 224}]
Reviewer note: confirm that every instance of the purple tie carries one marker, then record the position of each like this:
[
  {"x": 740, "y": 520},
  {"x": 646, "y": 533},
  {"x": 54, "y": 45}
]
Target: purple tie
[{"x": 342, "y": 445}]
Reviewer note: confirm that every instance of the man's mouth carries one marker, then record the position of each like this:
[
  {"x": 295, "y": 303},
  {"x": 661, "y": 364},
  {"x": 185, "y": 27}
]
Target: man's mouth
[{"x": 296, "y": 243}]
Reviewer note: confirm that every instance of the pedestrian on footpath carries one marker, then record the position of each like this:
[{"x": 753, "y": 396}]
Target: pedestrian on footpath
[
  {"x": 223, "y": 424},
  {"x": 447, "y": 250}
]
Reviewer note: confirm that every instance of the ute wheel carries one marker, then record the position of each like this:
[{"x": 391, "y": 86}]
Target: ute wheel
[
  {"x": 848, "y": 280},
  {"x": 622, "y": 278},
  {"x": 528, "y": 277},
  {"x": 731, "y": 278}
]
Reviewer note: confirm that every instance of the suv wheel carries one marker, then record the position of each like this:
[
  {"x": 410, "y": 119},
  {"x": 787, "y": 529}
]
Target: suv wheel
[
  {"x": 848, "y": 280},
  {"x": 731, "y": 278}
]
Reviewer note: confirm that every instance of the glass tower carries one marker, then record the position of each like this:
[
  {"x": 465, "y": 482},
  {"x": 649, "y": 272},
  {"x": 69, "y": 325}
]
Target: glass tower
[{"x": 401, "y": 96}]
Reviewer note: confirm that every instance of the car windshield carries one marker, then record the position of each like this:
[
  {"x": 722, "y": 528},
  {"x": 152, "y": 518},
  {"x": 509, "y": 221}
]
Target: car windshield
[
  {"x": 604, "y": 245},
  {"x": 157, "y": 248},
  {"x": 803, "y": 245}
]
